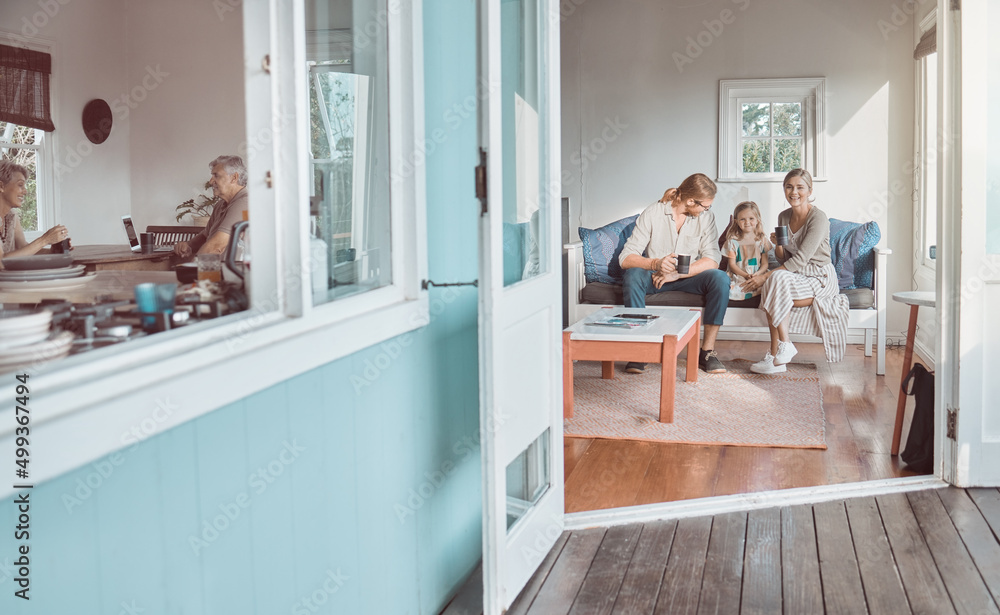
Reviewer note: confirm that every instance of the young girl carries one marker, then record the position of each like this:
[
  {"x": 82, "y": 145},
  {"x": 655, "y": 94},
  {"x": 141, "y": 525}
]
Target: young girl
[{"x": 747, "y": 248}]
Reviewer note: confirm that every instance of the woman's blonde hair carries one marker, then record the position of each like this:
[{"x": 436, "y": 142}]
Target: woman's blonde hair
[
  {"x": 735, "y": 232},
  {"x": 697, "y": 186},
  {"x": 806, "y": 177},
  {"x": 7, "y": 170}
]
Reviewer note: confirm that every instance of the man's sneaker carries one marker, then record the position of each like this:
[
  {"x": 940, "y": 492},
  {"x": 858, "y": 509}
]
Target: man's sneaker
[
  {"x": 635, "y": 368},
  {"x": 767, "y": 366},
  {"x": 709, "y": 362},
  {"x": 786, "y": 350}
]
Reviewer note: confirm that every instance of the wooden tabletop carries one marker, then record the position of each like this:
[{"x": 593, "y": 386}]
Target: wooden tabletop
[
  {"x": 110, "y": 253},
  {"x": 113, "y": 285}
]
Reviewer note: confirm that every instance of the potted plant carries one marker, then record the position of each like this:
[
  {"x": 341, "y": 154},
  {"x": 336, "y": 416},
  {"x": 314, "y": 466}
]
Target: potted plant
[{"x": 199, "y": 208}]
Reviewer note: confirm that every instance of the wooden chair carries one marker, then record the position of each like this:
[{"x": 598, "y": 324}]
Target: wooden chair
[{"x": 169, "y": 235}]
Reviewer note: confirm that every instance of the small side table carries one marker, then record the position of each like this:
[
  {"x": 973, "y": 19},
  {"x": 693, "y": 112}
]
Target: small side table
[{"x": 914, "y": 299}]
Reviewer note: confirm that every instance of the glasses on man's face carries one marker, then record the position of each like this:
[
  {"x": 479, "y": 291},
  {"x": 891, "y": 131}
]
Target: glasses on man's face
[{"x": 703, "y": 206}]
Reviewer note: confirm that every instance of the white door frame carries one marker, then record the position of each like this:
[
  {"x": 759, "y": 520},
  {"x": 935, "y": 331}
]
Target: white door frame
[{"x": 515, "y": 318}]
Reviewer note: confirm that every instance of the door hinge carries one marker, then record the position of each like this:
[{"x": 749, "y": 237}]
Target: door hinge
[
  {"x": 481, "y": 182},
  {"x": 952, "y": 426}
]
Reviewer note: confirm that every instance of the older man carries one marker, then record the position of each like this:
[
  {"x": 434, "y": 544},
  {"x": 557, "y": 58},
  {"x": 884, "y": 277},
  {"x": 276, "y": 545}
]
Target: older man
[{"x": 229, "y": 180}]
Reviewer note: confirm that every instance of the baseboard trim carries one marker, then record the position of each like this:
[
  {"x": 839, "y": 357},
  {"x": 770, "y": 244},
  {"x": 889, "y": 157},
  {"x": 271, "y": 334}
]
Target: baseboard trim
[{"x": 747, "y": 501}]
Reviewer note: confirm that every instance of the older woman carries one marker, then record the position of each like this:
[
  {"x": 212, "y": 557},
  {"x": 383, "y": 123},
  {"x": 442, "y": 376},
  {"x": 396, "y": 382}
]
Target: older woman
[
  {"x": 802, "y": 295},
  {"x": 13, "y": 178}
]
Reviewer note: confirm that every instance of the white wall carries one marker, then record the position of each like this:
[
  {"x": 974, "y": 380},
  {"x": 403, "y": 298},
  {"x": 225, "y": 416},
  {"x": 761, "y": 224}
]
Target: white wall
[
  {"x": 88, "y": 61},
  {"x": 619, "y": 69},
  {"x": 196, "y": 112},
  {"x": 173, "y": 75}
]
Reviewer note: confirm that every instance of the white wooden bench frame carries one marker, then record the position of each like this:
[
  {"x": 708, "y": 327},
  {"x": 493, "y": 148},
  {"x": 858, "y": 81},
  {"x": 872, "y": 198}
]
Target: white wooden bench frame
[{"x": 752, "y": 320}]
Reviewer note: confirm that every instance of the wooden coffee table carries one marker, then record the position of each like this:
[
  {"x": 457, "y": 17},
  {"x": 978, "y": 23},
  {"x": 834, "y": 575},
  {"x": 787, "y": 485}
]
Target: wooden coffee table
[{"x": 658, "y": 342}]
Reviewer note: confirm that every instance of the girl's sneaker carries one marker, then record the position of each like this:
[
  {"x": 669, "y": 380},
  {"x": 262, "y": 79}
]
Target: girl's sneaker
[
  {"x": 767, "y": 366},
  {"x": 786, "y": 350}
]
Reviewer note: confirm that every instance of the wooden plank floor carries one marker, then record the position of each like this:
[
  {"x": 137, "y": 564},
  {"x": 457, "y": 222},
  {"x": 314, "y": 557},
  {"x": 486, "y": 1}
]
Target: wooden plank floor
[
  {"x": 860, "y": 409},
  {"x": 932, "y": 551}
]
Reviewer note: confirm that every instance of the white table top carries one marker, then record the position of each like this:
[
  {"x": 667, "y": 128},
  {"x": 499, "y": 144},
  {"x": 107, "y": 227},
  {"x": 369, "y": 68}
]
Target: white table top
[
  {"x": 923, "y": 298},
  {"x": 669, "y": 321}
]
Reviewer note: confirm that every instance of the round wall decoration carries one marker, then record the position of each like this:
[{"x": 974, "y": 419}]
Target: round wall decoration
[{"x": 97, "y": 121}]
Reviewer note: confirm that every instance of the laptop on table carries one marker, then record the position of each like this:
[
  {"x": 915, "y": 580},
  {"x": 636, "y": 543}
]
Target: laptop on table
[{"x": 133, "y": 237}]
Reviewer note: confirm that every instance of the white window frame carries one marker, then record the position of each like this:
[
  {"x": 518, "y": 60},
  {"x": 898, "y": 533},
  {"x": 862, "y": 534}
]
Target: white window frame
[
  {"x": 82, "y": 407},
  {"x": 45, "y": 180},
  {"x": 811, "y": 92},
  {"x": 925, "y": 169}
]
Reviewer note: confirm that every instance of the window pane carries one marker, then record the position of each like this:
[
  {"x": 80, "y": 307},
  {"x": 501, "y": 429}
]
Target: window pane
[
  {"x": 756, "y": 119},
  {"x": 350, "y": 245},
  {"x": 523, "y": 125},
  {"x": 787, "y": 119},
  {"x": 787, "y": 154},
  {"x": 527, "y": 478},
  {"x": 757, "y": 156},
  {"x": 28, "y": 158}
]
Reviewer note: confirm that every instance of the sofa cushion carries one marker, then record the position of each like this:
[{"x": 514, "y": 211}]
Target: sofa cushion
[
  {"x": 601, "y": 248},
  {"x": 852, "y": 252},
  {"x": 611, "y": 294},
  {"x": 859, "y": 298}
]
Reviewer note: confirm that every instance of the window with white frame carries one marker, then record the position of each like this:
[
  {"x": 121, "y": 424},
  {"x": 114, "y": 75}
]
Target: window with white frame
[
  {"x": 346, "y": 59},
  {"x": 27, "y": 147},
  {"x": 285, "y": 332},
  {"x": 768, "y": 127}
]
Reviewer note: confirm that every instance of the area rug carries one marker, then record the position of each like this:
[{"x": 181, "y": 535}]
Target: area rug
[{"x": 738, "y": 408}]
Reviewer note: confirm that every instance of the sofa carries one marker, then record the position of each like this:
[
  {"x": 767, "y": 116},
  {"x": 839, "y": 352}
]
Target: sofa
[{"x": 594, "y": 280}]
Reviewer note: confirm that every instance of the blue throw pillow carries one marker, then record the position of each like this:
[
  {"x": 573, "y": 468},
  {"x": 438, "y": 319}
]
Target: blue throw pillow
[
  {"x": 852, "y": 248},
  {"x": 601, "y": 248}
]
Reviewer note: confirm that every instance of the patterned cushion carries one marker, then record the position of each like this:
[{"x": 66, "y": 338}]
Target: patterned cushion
[
  {"x": 601, "y": 248},
  {"x": 852, "y": 252}
]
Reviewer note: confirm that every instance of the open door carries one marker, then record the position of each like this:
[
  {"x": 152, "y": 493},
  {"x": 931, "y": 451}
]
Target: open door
[
  {"x": 520, "y": 309},
  {"x": 968, "y": 286}
]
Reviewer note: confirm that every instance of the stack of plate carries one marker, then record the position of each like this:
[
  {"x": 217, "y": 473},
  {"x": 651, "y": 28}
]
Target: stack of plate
[
  {"x": 25, "y": 339},
  {"x": 42, "y": 272},
  {"x": 21, "y": 327}
]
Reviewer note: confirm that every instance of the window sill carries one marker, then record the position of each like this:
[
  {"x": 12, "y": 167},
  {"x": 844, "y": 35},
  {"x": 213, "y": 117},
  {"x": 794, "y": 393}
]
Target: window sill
[
  {"x": 759, "y": 180},
  {"x": 83, "y": 411}
]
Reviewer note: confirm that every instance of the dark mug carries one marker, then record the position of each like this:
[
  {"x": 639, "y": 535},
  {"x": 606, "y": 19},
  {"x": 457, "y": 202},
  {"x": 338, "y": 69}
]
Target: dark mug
[
  {"x": 61, "y": 247},
  {"x": 781, "y": 235},
  {"x": 683, "y": 263},
  {"x": 147, "y": 242}
]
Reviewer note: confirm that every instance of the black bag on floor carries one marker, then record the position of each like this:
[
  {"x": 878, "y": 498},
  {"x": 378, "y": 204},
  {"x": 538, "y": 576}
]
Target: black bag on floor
[{"x": 919, "y": 452}]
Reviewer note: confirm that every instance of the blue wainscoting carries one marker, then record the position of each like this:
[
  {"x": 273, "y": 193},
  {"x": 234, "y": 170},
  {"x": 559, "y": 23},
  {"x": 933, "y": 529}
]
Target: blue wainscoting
[{"x": 355, "y": 486}]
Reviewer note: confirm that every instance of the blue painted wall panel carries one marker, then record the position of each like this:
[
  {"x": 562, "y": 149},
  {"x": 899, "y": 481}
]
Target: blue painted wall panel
[{"x": 354, "y": 488}]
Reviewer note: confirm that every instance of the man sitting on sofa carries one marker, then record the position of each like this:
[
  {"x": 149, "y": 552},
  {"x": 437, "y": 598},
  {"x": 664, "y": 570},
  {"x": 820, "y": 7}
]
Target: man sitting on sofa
[{"x": 679, "y": 223}]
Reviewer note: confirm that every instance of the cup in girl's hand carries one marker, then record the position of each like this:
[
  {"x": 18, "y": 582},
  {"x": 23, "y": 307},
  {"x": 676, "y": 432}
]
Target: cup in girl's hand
[
  {"x": 683, "y": 263},
  {"x": 781, "y": 235}
]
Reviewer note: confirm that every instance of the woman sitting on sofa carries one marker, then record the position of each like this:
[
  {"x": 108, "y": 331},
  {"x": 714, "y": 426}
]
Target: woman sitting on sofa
[{"x": 802, "y": 295}]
